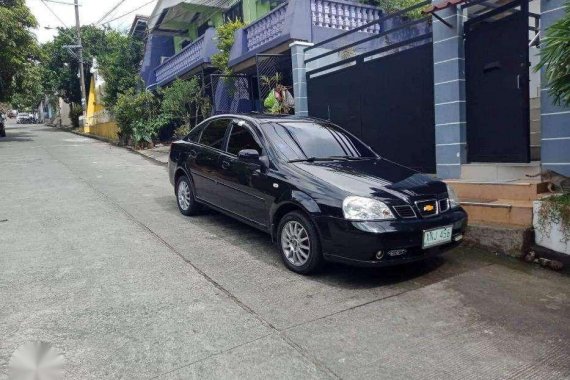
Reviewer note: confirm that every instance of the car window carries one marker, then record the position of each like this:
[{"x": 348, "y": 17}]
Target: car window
[
  {"x": 214, "y": 133},
  {"x": 241, "y": 138},
  {"x": 194, "y": 134},
  {"x": 299, "y": 140}
]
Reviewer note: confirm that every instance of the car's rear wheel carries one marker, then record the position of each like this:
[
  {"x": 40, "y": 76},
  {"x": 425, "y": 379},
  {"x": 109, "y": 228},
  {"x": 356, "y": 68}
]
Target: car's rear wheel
[
  {"x": 185, "y": 197},
  {"x": 299, "y": 243}
]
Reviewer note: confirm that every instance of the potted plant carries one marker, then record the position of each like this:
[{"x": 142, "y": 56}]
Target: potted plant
[{"x": 551, "y": 222}]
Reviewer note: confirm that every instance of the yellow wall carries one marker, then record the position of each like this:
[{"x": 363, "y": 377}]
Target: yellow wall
[
  {"x": 107, "y": 130},
  {"x": 94, "y": 105}
]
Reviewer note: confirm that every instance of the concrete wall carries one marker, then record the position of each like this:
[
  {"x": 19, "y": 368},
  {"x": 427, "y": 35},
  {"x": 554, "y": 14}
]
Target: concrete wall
[{"x": 107, "y": 130}]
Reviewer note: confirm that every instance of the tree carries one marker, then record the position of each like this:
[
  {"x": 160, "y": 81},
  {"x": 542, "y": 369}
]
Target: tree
[
  {"x": 17, "y": 43},
  {"x": 28, "y": 90},
  {"x": 225, "y": 33},
  {"x": 63, "y": 66},
  {"x": 555, "y": 58},
  {"x": 390, "y": 6},
  {"x": 119, "y": 65}
]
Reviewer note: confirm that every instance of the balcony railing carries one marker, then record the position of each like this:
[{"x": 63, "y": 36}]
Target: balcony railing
[
  {"x": 181, "y": 62},
  {"x": 267, "y": 28},
  {"x": 190, "y": 57},
  {"x": 343, "y": 15},
  {"x": 303, "y": 20}
]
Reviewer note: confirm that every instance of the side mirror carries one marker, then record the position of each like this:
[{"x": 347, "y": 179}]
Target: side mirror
[{"x": 249, "y": 155}]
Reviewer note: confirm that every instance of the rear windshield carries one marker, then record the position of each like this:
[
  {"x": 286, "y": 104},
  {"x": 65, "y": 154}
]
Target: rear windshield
[{"x": 301, "y": 140}]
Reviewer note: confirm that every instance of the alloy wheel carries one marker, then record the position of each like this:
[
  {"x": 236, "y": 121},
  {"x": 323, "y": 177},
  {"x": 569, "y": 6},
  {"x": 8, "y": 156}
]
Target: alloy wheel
[
  {"x": 184, "y": 195},
  {"x": 295, "y": 243}
]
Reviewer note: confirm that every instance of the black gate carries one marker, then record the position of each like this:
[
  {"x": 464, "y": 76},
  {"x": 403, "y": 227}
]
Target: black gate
[
  {"x": 497, "y": 85},
  {"x": 381, "y": 88}
]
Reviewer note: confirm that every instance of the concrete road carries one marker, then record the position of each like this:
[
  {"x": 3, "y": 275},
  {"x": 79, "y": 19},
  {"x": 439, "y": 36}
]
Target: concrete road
[{"x": 96, "y": 260}]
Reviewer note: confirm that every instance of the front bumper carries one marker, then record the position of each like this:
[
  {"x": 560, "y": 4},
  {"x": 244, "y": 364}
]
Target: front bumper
[{"x": 348, "y": 242}]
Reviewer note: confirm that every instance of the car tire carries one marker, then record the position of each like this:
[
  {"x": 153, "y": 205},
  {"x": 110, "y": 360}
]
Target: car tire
[
  {"x": 299, "y": 243},
  {"x": 185, "y": 197}
]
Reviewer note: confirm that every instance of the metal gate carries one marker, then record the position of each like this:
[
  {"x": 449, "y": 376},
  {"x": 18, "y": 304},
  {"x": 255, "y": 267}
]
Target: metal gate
[
  {"x": 230, "y": 94},
  {"x": 385, "y": 94},
  {"x": 272, "y": 69},
  {"x": 497, "y": 85}
]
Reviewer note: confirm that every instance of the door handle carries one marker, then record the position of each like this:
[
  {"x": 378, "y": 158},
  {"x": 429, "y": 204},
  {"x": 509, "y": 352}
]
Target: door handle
[
  {"x": 225, "y": 164},
  {"x": 193, "y": 153}
]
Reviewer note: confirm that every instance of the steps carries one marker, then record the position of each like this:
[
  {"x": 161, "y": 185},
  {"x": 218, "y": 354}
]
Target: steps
[
  {"x": 500, "y": 172},
  {"x": 505, "y": 203}
]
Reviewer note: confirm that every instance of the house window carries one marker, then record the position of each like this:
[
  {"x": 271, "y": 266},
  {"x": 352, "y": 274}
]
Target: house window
[{"x": 235, "y": 12}]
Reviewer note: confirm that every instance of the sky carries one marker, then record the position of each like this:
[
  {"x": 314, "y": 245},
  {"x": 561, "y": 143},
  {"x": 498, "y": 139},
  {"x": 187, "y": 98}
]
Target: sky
[{"x": 90, "y": 11}]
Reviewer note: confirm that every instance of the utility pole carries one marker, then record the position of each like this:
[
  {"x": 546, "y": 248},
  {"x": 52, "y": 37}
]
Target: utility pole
[{"x": 81, "y": 69}]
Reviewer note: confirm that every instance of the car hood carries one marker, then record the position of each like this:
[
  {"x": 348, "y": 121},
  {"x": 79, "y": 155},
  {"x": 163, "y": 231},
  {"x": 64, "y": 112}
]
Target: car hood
[{"x": 377, "y": 178}]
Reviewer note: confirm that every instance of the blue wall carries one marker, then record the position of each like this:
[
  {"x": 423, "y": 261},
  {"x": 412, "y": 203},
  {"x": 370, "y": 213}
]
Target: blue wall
[
  {"x": 157, "y": 46},
  {"x": 555, "y": 120}
]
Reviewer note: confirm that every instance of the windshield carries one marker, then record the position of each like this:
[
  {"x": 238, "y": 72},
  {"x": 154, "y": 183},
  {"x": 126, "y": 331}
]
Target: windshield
[{"x": 306, "y": 140}]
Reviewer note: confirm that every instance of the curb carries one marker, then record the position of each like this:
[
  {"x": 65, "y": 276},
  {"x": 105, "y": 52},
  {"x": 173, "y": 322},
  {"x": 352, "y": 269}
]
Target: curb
[{"x": 115, "y": 143}]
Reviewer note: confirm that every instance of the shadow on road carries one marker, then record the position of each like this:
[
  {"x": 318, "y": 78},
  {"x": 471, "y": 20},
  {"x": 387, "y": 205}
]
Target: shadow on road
[
  {"x": 15, "y": 135},
  {"x": 260, "y": 247}
]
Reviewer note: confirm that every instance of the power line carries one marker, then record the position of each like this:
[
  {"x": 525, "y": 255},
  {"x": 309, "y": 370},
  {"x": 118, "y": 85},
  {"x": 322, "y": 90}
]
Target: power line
[
  {"x": 111, "y": 11},
  {"x": 129, "y": 12},
  {"x": 53, "y": 13}
]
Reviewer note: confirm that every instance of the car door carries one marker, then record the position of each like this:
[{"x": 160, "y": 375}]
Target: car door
[
  {"x": 204, "y": 160},
  {"x": 245, "y": 184}
]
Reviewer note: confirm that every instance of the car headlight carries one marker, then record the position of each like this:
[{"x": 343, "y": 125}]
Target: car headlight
[
  {"x": 453, "y": 198},
  {"x": 361, "y": 208}
]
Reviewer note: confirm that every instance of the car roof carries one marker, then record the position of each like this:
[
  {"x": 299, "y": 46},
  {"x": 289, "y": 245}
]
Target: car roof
[{"x": 260, "y": 118}]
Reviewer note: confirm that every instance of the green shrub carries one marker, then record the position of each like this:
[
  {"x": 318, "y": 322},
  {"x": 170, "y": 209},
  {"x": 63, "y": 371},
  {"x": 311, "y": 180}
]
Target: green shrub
[
  {"x": 555, "y": 210},
  {"x": 145, "y": 131},
  {"x": 183, "y": 102},
  {"x": 75, "y": 112},
  {"x": 135, "y": 110}
]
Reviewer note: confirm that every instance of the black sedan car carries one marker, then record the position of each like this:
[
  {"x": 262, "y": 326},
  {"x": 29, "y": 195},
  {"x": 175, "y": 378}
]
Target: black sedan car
[{"x": 318, "y": 190}]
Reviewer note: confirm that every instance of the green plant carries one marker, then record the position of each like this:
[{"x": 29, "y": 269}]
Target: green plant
[
  {"x": 183, "y": 102},
  {"x": 181, "y": 131},
  {"x": 391, "y": 6},
  {"x": 75, "y": 111},
  {"x": 133, "y": 109},
  {"x": 145, "y": 131},
  {"x": 555, "y": 58},
  {"x": 226, "y": 39},
  {"x": 555, "y": 210}
]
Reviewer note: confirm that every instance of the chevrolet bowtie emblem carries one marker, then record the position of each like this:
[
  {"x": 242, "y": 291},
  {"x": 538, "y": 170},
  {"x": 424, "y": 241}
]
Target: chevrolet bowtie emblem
[{"x": 428, "y": 208}]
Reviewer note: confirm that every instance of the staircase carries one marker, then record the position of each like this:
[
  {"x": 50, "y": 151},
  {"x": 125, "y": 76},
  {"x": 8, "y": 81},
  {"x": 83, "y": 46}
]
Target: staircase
[
  {"x": 507, "y": 203},
  {"x": 500, "y": 207}
]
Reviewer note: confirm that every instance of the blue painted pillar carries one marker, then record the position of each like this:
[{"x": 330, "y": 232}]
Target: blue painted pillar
[
  {"x": 449, "y": 92},
  {"x": 555, "y": 120},
  {"x": 300, "y": 77}
]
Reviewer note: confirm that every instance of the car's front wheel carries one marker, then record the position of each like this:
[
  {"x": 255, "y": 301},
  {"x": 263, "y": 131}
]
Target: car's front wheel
[
  {"x": 185, "y": 197},
  {"x": 299, "y": 243}
]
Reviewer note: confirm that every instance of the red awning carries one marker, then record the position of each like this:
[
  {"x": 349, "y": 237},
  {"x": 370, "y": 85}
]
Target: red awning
[{"x": 442, "y": 5}]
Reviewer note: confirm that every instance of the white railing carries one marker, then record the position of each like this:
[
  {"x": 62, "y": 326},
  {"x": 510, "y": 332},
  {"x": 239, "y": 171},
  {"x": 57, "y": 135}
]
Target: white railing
[{"x": 344, "y": 15}]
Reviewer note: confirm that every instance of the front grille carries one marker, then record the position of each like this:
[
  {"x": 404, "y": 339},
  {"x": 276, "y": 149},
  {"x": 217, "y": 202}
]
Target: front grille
[
  {"x": 427, "y": 208},
  {"x": 443, "y": 205},
  {"x": 405, "y": 211}
]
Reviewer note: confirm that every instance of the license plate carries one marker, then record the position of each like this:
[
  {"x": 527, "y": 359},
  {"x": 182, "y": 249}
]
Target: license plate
[{"x": 437, "y": 236}]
